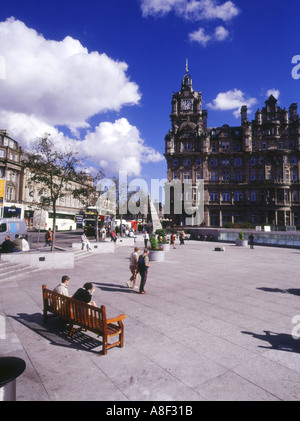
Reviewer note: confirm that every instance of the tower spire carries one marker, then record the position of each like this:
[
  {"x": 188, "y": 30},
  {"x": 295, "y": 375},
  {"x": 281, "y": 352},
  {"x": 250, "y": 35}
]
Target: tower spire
[{"x": 187, "y": 80}]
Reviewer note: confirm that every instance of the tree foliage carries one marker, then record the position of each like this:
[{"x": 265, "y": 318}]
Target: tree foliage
[{"x": 55, "y": 173}]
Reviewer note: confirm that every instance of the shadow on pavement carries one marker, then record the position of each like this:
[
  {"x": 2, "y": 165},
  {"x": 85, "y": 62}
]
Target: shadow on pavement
[
  {"x": 279, "y": 341},
  {"x": 57, "y": 332},
  {"x": 294, "y": 291},
  {"x": 113, "y": 287}
]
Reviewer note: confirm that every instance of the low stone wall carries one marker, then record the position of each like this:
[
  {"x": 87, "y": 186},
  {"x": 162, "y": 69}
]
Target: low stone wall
[
  {"x": 265, "y": 238},
  {"x": 41, "y": 260},
  {"x": 125, "y": 241},
  {"x": 100, "y": 247}
]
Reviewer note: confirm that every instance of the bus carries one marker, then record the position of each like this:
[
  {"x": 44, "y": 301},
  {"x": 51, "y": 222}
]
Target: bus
[{"x": 43, "y": 220}]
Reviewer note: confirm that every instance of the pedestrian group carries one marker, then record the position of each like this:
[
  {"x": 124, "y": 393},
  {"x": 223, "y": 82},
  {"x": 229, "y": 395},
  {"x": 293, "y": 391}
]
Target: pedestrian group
[{"x": 138, "y": 265}]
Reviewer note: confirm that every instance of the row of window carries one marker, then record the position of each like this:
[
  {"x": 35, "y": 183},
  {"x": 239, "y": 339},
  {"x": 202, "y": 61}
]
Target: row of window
[
  {"x": 68, "y": 200},
  {"x": 4, "y": 141},
  {"x": 239, "y": 176},
  {"x": 238, "y": 162},
  {"x": 9, "y": 175},
  {"x": 12, "y": 156},
  {"x": 237, "y": 147},
  {"x": 238, "y": 196}
]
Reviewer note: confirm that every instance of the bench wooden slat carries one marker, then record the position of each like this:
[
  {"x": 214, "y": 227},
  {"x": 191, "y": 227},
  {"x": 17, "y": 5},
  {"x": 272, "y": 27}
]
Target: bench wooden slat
[{"x": 88, "y": 317}]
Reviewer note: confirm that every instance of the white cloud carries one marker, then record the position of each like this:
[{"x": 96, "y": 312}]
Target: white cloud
[
  {"x": 117, "y": 146},
  {"x": 195, "y": 10},
  {"x": 221, "y": 33},
  {"x": 202, "y": 38},
  {"x": 274, "y": 92},
  {"x": 191, "y": 9},
  {"x": 210, "y": 9},
  {"x": 160, "y": 7},
  {"x": 59, "y": 83},
  {"x": 26, "y": 128},
  {"x": 232, "y": 100}
]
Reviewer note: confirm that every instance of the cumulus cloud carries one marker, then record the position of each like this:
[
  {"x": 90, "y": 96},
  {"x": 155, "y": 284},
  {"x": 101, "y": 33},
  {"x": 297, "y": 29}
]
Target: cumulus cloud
[
  {"x": 119, "y": 146},
  {"x": 202, "y": 38},
  {"x": 221, "y": 33},
  {"x": 50, "y": 84},
  {"x": 59, "y": 81},
  {"x": 195, "y": 10},
  {"x": 191, "y": 9},
  {"x": 232, "y": 100},
  {"x": 160, "y": 7},
  {"x": 274, "y": 92}
]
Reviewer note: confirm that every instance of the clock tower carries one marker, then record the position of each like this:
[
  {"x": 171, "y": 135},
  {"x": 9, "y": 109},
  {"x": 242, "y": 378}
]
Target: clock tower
[
  {"x": 187, "y": 104},
  {"x": 186, "y": 140}
]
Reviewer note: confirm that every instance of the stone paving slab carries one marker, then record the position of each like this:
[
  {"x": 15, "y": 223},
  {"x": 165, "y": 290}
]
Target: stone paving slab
[{"x": 212, "y": 326}]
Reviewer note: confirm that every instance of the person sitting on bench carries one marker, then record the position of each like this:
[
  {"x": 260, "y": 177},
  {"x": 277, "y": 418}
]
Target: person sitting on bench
[{"x": 85, "y": 294}]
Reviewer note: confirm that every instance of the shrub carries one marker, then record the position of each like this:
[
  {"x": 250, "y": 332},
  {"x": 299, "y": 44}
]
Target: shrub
[
  {"x": 154, "y": 244},
  {"x": 241, "y": 235}
]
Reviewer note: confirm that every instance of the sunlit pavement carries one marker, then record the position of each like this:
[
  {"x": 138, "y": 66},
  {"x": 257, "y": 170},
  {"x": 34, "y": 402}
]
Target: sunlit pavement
[{"x": 213, "y": 325}]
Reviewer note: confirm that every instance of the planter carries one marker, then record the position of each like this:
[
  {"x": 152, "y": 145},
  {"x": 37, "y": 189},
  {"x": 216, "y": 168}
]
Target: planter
[
  {"x": 165, "y": 246},
  {"x": 242, "y": 243},
  {"x": 157, "y": 255}
]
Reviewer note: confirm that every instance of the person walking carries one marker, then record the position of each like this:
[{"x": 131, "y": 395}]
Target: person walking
[
  {"x": 133, "y": 266},
  {"x": 251, "y": 240},
  {"x": 143, "y": 266},
  {"x": 113, "y": 236},
  {"x": 181, "y": 237},
  {"x": 48, "y": 238},
  {"x": 172, "y": 240},
  {"x": 146, "y": 238}
]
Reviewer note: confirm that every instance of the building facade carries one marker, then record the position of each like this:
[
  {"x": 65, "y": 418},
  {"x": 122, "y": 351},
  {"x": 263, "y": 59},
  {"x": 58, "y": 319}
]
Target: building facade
[
  {"x": 250, "y": 172},
  {"x": 18, "y": 196},
  {"x": 11, "y": 177}
]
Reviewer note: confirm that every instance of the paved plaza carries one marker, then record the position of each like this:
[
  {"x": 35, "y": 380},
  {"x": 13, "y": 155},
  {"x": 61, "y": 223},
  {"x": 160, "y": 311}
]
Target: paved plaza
[{"x": 213, "y": 326}]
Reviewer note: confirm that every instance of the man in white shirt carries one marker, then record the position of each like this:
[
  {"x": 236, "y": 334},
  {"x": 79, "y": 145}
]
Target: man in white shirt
[
  {"x": 133, "y": 266},
  {"x": 62, "y": 288},
  {"x": 25, "y": 244}
]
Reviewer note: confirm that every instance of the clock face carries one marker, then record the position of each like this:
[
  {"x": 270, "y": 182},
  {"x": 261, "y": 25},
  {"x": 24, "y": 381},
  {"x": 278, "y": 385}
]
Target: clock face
[{"x": 186, "y": 104}]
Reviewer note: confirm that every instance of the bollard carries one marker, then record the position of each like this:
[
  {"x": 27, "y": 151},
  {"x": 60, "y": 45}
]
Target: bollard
[{"x": 10, "y": 369}]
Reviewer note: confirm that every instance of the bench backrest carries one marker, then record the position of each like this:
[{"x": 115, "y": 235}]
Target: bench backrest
[{"x": 75, "y": 311}]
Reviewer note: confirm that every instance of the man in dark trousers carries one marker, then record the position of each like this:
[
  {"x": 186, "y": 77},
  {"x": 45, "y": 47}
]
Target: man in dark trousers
[{"x": 251, "y": 240}]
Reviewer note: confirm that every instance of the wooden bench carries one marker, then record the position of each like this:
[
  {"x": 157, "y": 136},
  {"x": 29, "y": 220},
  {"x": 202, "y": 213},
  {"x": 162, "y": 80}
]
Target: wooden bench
[{"x": 86, "y": 316}]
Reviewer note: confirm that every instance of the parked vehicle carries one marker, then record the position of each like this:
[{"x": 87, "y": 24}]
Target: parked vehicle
[
  {"x": 12, "y": 227},
  {"x": 90, "y": 227},
  {"x": 43, "y": 220}
]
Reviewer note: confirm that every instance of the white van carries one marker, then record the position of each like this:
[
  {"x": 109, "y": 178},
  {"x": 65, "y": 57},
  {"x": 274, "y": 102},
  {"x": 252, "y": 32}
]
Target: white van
[{"x": 12, "y": 227}]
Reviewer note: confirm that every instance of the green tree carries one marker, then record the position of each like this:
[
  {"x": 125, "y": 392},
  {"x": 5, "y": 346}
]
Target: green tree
[{"x": 53, "y": 172}]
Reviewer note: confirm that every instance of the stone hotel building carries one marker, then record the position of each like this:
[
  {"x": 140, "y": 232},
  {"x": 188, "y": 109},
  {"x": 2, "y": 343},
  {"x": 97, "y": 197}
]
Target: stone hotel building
[{"x": 250, "y": 172}]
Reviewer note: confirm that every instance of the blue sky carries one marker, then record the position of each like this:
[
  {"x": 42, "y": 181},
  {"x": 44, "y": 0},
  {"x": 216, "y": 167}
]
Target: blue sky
[{"x": 103, "y": 72}]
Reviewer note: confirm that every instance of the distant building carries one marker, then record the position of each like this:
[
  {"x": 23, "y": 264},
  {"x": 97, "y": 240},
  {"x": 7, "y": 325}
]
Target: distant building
[
  {"x": 20, "y": 197},
  {"x": 11, "y": 177},
  {"x": 250, "y": 172},
  {"x": 66, "y": 204}
]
